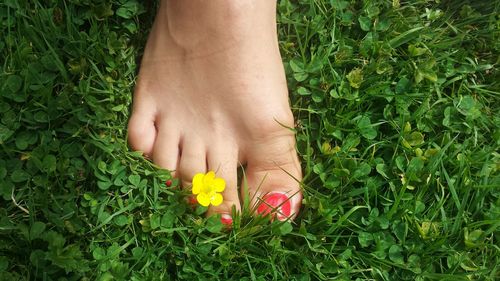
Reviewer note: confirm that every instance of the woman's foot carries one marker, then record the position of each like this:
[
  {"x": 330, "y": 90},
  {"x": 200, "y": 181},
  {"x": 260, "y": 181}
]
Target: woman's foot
[{"x": 212, "y": 95}]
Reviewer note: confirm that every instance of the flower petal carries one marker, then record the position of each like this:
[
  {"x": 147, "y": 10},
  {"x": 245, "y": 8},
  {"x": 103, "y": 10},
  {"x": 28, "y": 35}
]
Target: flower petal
[
  {"x": 208, "y": 178},
  {"x": 216, "y": 199},
  {"x": 197, "y": 183},
  {"x": 203, "y": 199},
  {"x": 219, "y": 184}
]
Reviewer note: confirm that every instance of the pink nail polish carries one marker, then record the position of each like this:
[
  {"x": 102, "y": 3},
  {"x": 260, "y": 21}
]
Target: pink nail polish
[
  {"x": 278, "y": 201},
  {"x": 226, "y": 219}
]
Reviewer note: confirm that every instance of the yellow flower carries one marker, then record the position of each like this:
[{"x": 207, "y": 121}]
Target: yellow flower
[{"x": 207, "y": 188}]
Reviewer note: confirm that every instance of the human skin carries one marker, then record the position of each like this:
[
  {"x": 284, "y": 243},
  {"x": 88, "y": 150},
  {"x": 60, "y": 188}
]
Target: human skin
[{"x": 212, "y": 95}]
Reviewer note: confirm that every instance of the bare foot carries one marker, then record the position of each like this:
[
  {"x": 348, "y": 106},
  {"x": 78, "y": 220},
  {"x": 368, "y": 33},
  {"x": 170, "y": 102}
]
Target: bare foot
[{"x": 212, "y": 95}]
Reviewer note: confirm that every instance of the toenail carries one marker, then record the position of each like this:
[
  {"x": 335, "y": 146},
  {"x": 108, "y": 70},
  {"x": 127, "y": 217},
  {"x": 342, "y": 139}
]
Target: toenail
[
  {"x": 192, "y": 200},
  {"x": 226, "y": 219},
  {"x": 168, "y": 183},
  {"x": 277, "y": 201}
]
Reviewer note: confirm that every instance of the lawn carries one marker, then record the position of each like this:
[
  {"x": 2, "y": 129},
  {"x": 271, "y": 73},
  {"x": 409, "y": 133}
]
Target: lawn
[{"x": 398, "y": 129}]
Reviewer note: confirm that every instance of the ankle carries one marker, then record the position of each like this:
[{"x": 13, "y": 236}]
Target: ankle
[{"x": 194, "y": 24}]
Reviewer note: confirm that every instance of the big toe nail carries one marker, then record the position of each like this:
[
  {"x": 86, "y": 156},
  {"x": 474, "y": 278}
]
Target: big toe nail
[{"x": 277, "y": 204}]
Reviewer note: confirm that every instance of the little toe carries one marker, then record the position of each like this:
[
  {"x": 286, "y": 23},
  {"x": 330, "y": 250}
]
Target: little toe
[
  {"x": 166, "y": 148},
  {"x": 142, "y": 132}
]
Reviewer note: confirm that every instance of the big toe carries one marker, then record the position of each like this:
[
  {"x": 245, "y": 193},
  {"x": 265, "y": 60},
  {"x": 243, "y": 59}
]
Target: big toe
[{"x": 273, "y": 177}]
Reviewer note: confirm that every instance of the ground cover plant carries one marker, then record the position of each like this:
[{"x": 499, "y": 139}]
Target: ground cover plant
[{"x": 397, "y": 108}]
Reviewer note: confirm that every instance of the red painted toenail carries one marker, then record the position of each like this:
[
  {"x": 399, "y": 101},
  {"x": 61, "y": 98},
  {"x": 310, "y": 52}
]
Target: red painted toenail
[
  {"x": 168, "y": 183},
  {"x": 278, "y": 201},
  {"x": 226, "y": 219},
  {"x": 192, "y": 200}
]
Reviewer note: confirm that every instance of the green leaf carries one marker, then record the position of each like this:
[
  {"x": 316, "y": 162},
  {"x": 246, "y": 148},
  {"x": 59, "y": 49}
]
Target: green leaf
[
  {"x": 120, "y": 220},
  {"x": 395, "y": 254},
  {"x": 405, "y": 37},
  {"x": 355, "y": 78},
  {"x": 303, "y": 91},
  {"x": 473, "y": 239},
  {"x": 414, "y": 168},
  {"x": 367, "y": 45},
  {"x": 339, "y": 4},
  {"x": 128, "y": 10},
  {"x": 12, "y": 84},
  {"x": 214, "y": 224},
  {"x": 415, "y": 139},
  {"x": 101, "y": 165},
  {"x": 24, "y": 139},
  {"x": 130, "y": 26},
  {"x": 469, "y": 107},
  {"x": 300, "y": 76},
  {"x": 104, "y": 185},
  {"x": 428, "y": 74},
  {"x": 399, "y": 229},
  {"x": 118, "y": 108},
  {"x": 55, "y": 240},
  {"x": 383, "y": 66},
  {"x": 168, "y": 220},
  {"x": 332, "y": 182},
  {"x": 400, "y": 162},
  {"x": 137, "y": 252},
  {"x": 41, "y": 117},
  {"x": 365, "y": 23},
  {"x": 49, "y": 163},
  {"x": 155, "y": 221},
  {"x": 317, "y": 96},
  {"x": 38, "y": 258},
  {"x": 19, "y": 176},
  {"x": 135, "y": 180},
  {"x": 383, "y": 24},
  {"x": 403, "y": 85},
  {"x": 362, "y": 171},
  {"x": 372, "y": 11},
  {"x": 416, "y": 51},
  {"x": 419, "y": 207},
  {"x": 5, "y": 133},
  {"x": 381, "y": 168},
  {"x": 351, "y": 142},
  {"x": 414, "y": 264},
  {"x": 70, "y": 259},
  {"x": 334, "y": 94},
  {"x": 36, "y": 230},
  {"x": 366, "y": 128},
  {"x": 285, "y": 228},
  {"x": 99, "y": 253},
  {"x": 103, "y": 10},
  {"x": 296, "y": 66},
  {"x": 365, "y": 239}
]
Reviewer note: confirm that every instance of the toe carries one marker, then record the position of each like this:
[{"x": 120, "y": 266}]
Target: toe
[
  {"x": 166, "y": 147},
  {"x": 142, "y": 132},
  {"x": 192, "y": 161},
  {"x": 273, "y": 177},
  {"x": 223, "y": 160}
]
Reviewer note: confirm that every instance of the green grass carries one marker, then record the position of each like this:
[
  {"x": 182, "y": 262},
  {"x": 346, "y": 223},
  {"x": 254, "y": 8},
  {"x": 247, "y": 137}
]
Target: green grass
[{"x": 397, "y": 107}]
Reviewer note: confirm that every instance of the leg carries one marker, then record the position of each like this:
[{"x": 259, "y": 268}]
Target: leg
[{"x": 212, "y": 94}]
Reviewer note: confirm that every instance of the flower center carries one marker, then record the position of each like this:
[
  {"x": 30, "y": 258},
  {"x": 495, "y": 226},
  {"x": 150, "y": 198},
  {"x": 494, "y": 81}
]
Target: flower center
[{"x": 207, "y": 188}]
